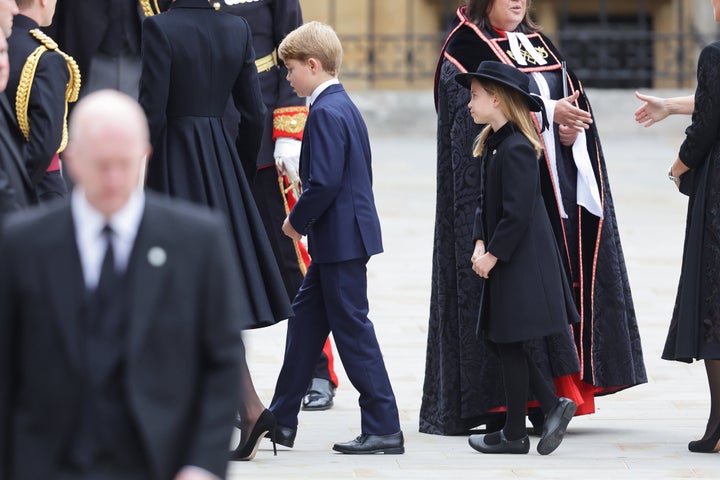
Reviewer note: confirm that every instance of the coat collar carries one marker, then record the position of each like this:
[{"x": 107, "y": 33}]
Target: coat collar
[
  {"x": 22, "y": 22},
  {"x": 335, "y": 88},
  {"x": 496, "y": 138},
  {"x": 204, "y": 4}
]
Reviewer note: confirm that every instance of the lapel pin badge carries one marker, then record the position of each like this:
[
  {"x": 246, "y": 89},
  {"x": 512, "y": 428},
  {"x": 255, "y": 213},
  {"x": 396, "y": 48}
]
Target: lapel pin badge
[{"x": 157, "y": 256}]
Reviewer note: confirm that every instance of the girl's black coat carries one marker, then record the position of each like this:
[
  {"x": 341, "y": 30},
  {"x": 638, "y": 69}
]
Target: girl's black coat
[{"x": 526, "y": 295}]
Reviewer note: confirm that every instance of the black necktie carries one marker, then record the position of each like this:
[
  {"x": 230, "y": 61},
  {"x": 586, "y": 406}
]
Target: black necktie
[{"x": 105, "y": 286}]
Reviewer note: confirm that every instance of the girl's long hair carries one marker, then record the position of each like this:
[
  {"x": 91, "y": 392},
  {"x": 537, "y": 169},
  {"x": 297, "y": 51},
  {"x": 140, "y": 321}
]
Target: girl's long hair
[{"x": 515, "y": 109}]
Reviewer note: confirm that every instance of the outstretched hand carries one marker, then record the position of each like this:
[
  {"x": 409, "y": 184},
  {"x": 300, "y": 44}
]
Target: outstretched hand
[{"x": 653, "y": 110}]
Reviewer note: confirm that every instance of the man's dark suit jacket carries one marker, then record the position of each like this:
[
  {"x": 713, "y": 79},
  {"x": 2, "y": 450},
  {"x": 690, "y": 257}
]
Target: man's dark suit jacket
[
  {"x": 337, "y": 208},
  {"x": 183, "y": 346},
  {"x": 16, "y": 190}
]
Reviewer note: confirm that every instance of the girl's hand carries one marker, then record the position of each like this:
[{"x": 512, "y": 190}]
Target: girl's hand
[
  {"x": 479, "y": 250},
  {"x": 483, "y": 264}
]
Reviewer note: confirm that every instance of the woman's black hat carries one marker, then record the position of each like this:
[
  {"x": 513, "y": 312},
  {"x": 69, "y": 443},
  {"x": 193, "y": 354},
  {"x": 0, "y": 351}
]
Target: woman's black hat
[{"x": 505, "y": 75}]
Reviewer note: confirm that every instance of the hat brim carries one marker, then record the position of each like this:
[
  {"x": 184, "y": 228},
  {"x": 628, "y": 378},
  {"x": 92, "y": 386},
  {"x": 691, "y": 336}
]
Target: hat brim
[{"x": 534, "y": 102}]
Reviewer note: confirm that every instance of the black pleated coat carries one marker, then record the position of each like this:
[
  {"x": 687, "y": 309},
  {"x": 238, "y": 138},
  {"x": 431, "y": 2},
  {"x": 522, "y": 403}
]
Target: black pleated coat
[{"x": 194, "y": 59}]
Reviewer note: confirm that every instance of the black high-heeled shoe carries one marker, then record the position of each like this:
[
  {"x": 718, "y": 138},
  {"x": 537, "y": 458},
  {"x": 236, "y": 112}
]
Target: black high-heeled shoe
[
  {"x": 265, "y": 424},
  {"x": 709, "y": 445}
]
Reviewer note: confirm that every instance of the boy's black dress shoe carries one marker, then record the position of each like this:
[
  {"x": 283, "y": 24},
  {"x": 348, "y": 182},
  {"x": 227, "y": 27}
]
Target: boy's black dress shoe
[
  {"x": 369, "y": 444},
  {"x": 284, "y": 436},
  {"x": 505, "y": 446},
  {"x": 556, "y": 423},
  {"x": 319, "y": 396}
]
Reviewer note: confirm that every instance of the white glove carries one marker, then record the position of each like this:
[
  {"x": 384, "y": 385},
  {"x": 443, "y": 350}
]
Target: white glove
[{"x": 287, "y": 157}]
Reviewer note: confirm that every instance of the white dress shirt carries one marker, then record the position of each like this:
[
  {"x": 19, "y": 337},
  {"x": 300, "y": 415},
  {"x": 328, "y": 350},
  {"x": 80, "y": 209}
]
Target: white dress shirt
[
  {"x": 89, "y": 224},
  {"x": 321, "y": 88}
]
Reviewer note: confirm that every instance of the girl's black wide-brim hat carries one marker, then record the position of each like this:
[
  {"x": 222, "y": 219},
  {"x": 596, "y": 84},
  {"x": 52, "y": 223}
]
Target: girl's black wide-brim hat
[{"x": 505, "y": 75}]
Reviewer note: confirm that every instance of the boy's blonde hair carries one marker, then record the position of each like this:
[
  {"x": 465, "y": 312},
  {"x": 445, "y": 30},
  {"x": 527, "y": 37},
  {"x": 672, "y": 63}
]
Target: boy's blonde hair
[
  {"x": 515, "y": 109},
  {"x": 313, "y": 40}
]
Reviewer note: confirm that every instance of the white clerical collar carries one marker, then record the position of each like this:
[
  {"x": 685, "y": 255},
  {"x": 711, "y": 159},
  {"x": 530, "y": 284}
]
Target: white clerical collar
[{"x": 321, "y": 88}]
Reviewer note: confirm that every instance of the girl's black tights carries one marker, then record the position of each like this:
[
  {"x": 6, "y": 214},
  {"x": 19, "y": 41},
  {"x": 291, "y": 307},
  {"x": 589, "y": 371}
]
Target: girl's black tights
[{"x": 521, "y": 374}]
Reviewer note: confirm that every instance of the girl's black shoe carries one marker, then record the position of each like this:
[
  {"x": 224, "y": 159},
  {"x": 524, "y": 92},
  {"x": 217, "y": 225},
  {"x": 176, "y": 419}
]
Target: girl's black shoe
[
  {"x": 709, "y": 445},
  {"x": 265, "y": 424}
]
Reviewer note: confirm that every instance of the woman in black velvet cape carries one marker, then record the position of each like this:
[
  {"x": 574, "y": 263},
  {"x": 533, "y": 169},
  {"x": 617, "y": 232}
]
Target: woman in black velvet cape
[{"x": 462, "y": 385}]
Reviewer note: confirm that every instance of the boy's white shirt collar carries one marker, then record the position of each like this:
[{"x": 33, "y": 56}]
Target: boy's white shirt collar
[{"x": 321, "y": 88}]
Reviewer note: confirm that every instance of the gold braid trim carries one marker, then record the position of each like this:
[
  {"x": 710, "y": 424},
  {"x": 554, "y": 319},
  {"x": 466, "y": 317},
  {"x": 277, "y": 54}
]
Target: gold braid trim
[
  {"x": 22, "y": 98},
  {"x": 153, "y": 9},
  {"x": 147, "y": 8}
]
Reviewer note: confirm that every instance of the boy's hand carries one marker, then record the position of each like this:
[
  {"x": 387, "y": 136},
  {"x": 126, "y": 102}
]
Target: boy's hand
[
  {"x": 483, "y": 264},
  {"x": 290, "y": 231}
]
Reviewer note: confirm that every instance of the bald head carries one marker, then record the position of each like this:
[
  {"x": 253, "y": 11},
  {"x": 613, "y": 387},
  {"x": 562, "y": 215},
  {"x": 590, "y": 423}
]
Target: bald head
[
  {"x": 109, "y": 141},
  {"x": 106, "y": 110}
]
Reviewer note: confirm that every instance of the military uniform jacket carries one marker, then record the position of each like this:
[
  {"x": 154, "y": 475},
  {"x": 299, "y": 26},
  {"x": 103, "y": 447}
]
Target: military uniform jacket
[
  {"x": 46, "y": 106},
  {"x": 270, "y": 21}
]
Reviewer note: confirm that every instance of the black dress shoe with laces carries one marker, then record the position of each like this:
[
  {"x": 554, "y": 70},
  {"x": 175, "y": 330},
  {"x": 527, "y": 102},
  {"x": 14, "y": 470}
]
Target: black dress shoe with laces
[
  {"x": 519, "y": 446},
  {"x": 371, "y": 444},
  {"x": 282, "y": 435},
  {"x": 319, "y": 396}
]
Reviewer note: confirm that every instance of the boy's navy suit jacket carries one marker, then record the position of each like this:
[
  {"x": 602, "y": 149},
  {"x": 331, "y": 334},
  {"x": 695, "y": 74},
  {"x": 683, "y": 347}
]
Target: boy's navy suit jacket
[{"x": 337, "y": 208}]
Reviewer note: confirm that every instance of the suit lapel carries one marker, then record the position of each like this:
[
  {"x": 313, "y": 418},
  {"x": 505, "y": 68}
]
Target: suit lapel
[
  {"x": 146, "y": 272},
  {"x": 66, "y": 285}
]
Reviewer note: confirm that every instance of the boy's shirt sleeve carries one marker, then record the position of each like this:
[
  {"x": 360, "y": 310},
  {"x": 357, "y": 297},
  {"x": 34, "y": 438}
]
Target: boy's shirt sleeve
[{"x": 322, "y": 166}]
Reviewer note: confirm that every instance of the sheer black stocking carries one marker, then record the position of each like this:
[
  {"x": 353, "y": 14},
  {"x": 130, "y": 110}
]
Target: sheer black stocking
[
  {"x": 712, "y": 367},
  {"x": 251, "y": 407}
]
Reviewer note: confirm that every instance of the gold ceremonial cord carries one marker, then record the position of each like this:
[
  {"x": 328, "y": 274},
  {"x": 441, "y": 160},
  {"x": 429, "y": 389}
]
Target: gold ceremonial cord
[
  {"x": 149, "y": 11},
  {"x": 147, "y": 8},
  {"x": 283, "y": 192},
  {"x": 22, "y": 97}
]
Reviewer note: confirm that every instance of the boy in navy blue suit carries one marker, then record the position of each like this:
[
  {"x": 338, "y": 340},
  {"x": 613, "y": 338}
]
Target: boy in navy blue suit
[{"x": 337, "y": 213}]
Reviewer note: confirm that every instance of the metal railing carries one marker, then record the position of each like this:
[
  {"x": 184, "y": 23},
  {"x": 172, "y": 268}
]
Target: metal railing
[
  {"x": 605, "y": 49},
  {"x": 612, "y": 59}
]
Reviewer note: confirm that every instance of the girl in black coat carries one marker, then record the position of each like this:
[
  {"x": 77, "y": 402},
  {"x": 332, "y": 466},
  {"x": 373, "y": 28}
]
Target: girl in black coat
[{"x": 525, "y": 294}]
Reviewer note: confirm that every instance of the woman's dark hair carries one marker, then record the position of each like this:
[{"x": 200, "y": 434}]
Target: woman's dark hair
[{"x": 477, "y": 12}]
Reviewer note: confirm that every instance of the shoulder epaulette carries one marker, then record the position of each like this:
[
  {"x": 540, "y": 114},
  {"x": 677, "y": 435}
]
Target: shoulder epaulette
[{"x": 22, "y": 97}]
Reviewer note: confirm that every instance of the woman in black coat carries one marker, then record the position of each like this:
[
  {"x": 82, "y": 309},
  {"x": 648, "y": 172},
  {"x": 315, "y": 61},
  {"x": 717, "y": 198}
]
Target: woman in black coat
[
  {"x": 525, "y": 294},
  {"x": 194, "y": 59},
  {"x": 695, "y": 326}
]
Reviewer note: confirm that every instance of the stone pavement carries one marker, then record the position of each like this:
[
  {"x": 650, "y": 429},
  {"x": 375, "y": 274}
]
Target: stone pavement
[{"x": 640, "y": 433}]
